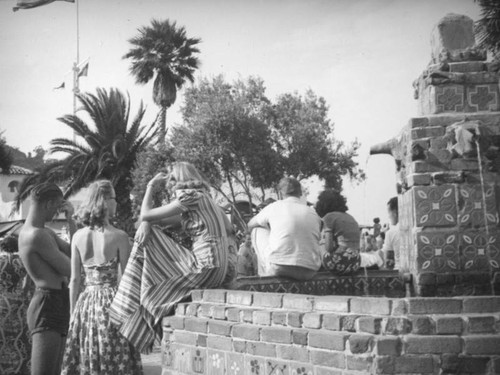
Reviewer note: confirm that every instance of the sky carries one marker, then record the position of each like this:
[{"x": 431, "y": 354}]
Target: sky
[{"x": 360, "y": 55}]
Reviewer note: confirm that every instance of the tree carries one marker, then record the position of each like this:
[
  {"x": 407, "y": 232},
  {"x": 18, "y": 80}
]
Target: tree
[
  {"x": 224, "y": 136},
  {"x": 487, "y": 28},
  {"x": 163, "y": 51},
  {"x": 107, "y": 150},
  {"x": 303, "y": 136},
  {"x": 5, "y": 156}
]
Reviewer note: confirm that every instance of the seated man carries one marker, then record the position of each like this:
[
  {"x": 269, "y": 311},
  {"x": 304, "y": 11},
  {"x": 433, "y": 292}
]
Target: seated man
[
  {"x": 286, "y": 235},
  {"x": 391, "y": 249}
]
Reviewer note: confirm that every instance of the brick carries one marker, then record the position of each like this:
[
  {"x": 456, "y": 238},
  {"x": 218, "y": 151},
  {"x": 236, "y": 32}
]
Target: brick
[
  {"x": 399, "y": 307},
  {"x": 239, "y": 297},
  {"x": 422, "y": 325},
  {"x": 376, "y": 306},
  {"x": 481, "y": 304},
  {"x": 293, "y": 353},
  {"x": 233, "y": 314},
  {"x": 398, "y": 326},
  {"x": 449, "y": 326},
  {"x": 246, "y": 315},
  {"x": 331, "y": 304},
  {"x": 388, "y": 345},
  {"x": 482, "y": 345},
  {"x": 327, "y": 371},
  {"x": 221, "y": 328},
  {"x": 438, "y": 143},
  {"x": 418, "y": 122},
  {"x": 467, "y": 67},
  {"x": 214, "y": 295},
  {"x": 452, "y": 363},
  {"x": 246, "y": 331},
  {"x": 262, "y": 317},
  {"x": 423, "y": 167},
  {"x": 451, "y": 177},
  {"x": 427, "y": 132},
  {"x": 312, "y": 320},
  {"x": 261, "y": 348},
  {"x": 195, "y": 325},
  {"x": 197, "y": 295},
  {"x": 294, "y": 319},
  {"x": 331, "y": 322},
  {"x": 413, "y": 364},
  {"x": 239, "y": 346},
  {"x": 464, "y": 165},
  {"x": 180, "y": 309},
  {"x": 434, "y": 306},
  {"x": 298, "y": 302},
  {"x": 279, "y": 318},
  {"x": 482, "y": 324},
  {"x": 272, "y": 300},
  {"x": 176, "y": 322},
  {"x": 358, "y": 363},
  {"x": 418, "y": 179},
  {"x": 325, "y": 358},
  {"x": 432, "y": 344},
  {"x": 219, "y": 312},
  {"x": 220, "y": 343},
  {"x": 369, "y": 324},
  {"x": 192, "y": 309},
  {"x": 185, "y": 338},
  {"x": 328, "y": 340},
  {"x": 383, "y": 365},
  {"x": 300, "y": 336},
  {"x": 359, "y": 343},
  {"x": 205, "y": 310},
  {"x": 276, "y": 334},
  {"x": 348, "y": 322}
]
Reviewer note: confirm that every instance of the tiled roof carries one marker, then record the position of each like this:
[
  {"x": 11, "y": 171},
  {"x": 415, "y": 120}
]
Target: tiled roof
[{"x": 14, "y": 169}]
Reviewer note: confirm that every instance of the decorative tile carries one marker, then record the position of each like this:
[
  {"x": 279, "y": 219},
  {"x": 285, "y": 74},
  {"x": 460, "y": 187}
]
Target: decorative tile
[
  {"x": 449, "y": 98},
  {"x": 438, "y": 252},
  {"x": 483, "y": 98},
  {"x": 254, "y": 365},
  {"x": 476, "y": 208},
  {"x": 277, "y": 367},
  {"x": 435, "y": 206},
  {"x": 167, "y": 356},
  {"x": 216, "y": 362},
  {"x": 181, "y": 358},
  {"x": 235, "y": 364},
  {"x": 198, "y": 360},
  {"x": 480, "y": 251},
  {"x": 301, "y": 369}
]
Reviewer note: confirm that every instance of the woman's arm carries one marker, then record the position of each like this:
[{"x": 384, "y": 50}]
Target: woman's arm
[
  {"x": 74, "y": 282},
  {"x": 123, "y": 251},
  {"x": 151, "y": 214}
]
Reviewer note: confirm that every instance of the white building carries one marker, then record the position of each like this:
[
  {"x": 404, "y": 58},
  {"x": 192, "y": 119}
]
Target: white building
[{"x": 9, "y": 186}]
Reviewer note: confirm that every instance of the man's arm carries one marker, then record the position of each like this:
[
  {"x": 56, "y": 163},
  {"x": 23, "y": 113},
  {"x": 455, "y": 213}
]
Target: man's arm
[
  {"x": 259, "y": 220},
  {"x": 62, "y": 245},
  {"x": 47, "y": 248}
]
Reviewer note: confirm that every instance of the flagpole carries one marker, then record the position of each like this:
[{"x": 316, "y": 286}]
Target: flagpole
[{"x": 76, "y": 75}]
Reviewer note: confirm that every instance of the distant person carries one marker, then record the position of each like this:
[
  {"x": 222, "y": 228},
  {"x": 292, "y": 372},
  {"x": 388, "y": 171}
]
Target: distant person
[
  {"x": 15, "y": 293},
  {"x": 391, "y": 248},
  {"x": 247, "y": 264},
  {"x": 342, "y": 236},
  {"x": 47, "y": 260},
  {"x": 376, "y": 227},
  {"x": 102, "y": 251},
  {"x": 286, "y": 235}
]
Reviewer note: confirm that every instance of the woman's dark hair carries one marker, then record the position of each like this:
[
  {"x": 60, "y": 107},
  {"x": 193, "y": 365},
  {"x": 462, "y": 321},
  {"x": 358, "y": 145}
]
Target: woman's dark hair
[
  {"x": 9, "y": 244},
  {"x": 330, "y": 201},
  {"x": 393, "y": 204},
  {"x": 94, "y": 209}
]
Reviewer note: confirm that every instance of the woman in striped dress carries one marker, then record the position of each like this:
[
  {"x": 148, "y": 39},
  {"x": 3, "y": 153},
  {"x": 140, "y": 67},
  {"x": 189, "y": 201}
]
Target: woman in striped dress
[{"x": 161, "y": 272}]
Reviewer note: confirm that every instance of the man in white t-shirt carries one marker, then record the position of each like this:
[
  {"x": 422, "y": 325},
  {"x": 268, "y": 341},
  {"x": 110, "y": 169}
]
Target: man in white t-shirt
[
  {"x": 286, "y": 235},
  {"x": 391, "y": 248}
]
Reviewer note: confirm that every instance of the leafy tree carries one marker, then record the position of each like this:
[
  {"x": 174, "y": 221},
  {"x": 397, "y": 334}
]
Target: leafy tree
[
  {"x": 108, "y": 149},
  {"x": 487, "y": 28},
  {"x": 163, "y": 51},
  {"x": 5, "y": 156},
  {"x": 303, "y": 136}
]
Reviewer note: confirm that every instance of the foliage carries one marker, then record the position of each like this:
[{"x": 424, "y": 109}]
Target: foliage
[
  {"x": 303, "y": 136},
  {"x": 108, "y": 149},
  {"x": 487, "y": 28},
  {"x": 5, "y": 156},
  {"x": 163, "y": 50}
]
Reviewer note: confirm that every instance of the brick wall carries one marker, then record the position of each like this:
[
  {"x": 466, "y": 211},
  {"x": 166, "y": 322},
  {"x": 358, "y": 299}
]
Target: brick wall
[{"x": 240, "y": 332}]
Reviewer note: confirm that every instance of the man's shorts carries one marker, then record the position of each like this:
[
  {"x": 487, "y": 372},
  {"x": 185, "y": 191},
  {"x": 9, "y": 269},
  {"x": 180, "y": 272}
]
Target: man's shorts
[{"x": 49, "y": 311}]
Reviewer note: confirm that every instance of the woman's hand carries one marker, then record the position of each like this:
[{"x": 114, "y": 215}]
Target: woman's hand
[
  {"x": 142, "y": 234},
  {"x": 160, "y": 176}
]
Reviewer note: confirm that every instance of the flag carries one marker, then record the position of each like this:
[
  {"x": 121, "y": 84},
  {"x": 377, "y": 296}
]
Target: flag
[
  {"x": 83, "y": 69},
  {"x": 27, "y": 4},
  {"x": 61, "y": 86}
]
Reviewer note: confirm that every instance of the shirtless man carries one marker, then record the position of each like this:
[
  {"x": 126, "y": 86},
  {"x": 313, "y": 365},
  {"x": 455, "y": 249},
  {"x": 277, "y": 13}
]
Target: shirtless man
[{"x": 47, "y": 260}]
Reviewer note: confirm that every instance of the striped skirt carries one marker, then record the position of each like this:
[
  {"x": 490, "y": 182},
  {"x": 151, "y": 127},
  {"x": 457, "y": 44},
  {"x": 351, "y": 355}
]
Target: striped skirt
[{"x": 158, "y": 275}]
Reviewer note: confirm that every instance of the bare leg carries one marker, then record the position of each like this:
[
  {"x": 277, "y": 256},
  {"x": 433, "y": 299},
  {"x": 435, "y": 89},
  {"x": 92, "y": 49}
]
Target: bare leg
[
  {"x": 46, "y": 353},
  {"x": 294, "y": 272},
  {"x": 260, "y": 242}
]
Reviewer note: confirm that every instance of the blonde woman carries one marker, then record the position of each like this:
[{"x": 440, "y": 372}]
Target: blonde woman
[
  {"x": 94, "y": 346},
  {"x": 161, "y": 271}
]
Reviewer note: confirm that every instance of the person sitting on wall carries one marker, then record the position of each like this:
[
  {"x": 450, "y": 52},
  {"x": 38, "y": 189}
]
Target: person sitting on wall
[
  {"x": 342, "y": 236},
  {"x": 391, "y": 249},
  {"x": 286, "y": 235}
]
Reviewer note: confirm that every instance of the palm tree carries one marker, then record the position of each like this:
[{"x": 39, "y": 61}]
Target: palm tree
[
  {"x": 487, "y": 28},
  {"x": 108, "y": 149},
  {"x": 163, "y": 51}
]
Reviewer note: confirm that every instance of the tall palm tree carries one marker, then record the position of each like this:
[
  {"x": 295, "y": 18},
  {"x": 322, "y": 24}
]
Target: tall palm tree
[
  {"x": 163, "y": 51},
  {"x": 487, "y": 28},
  {"x": 108, "y": 149}
]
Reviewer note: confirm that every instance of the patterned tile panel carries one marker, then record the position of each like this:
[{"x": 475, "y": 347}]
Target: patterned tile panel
[
  {"x": 216, "y": 362},
  {"x": 274, "y": 367},
  {"x": 235, "y": 363},
  {"x": 438, "y": 252},
  {"x": 475, "y": 208},
  {"x": 254, "y": 365},
  {"x": 435, "y": 206},
  {"x": 449, "y": 98},
  {"x": 480, "y": 251},
  {"x": 482, "y": 98}
]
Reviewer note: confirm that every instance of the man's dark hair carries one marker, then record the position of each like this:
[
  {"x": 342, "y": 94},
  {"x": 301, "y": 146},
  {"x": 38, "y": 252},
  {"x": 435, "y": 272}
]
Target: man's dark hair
[
  {"x": 45, "y": 192},
  {"x": 290, "y": 186},
  {"x": 330, "y": 201},
  {"x": 376, "y": 220},
  {"x": 393, "y": 204}
]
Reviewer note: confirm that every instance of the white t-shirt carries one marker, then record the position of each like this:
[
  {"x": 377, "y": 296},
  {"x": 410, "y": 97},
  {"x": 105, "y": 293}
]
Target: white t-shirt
[
  {"x": 392, "y": 242},
  {"x": 295, "y": 232}
]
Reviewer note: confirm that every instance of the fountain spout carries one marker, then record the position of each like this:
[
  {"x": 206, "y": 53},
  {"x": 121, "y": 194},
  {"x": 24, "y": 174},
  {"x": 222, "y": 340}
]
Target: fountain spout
[{"x": 388, "y": 147}]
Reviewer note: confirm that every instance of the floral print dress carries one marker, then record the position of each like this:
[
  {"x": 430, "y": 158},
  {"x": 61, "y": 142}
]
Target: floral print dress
[{"x": 94, "y": 345}]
